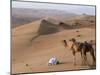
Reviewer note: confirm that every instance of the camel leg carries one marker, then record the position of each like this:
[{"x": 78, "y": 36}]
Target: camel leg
[
  {"x": 74, "y": 60},
  {"x": 93, "y": 57},
  {"x": 84, "y": 57},
  {"x": 74, "y": 57},
  {"x": 86, "y": 62}
]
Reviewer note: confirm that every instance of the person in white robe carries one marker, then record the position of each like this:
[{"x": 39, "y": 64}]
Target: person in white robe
[{"x": 53, "y": 61}]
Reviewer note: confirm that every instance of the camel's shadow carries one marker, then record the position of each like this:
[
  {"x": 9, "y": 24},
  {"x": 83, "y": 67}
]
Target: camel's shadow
[
  {"x": 71, "y": 63},
  {"x": 92, "y": 66},
  {"x": 60, "y": 63}
]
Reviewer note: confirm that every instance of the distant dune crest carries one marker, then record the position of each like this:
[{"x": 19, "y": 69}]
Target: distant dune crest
[{"x": 22, "y": 16}]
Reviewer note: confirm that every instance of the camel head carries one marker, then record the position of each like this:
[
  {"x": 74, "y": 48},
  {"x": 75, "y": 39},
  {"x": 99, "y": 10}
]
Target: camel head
[
  {"x": 72, "y": 44},
  {"x": 73, "y": 40}
]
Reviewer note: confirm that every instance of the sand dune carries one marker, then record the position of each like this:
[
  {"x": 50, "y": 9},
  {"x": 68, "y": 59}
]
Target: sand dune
[
  {"x": 82, "y": 21},
  {"x": 33, "y": 56}
]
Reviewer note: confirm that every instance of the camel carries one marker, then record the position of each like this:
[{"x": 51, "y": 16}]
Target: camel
[{"x": 83, "y": 48}]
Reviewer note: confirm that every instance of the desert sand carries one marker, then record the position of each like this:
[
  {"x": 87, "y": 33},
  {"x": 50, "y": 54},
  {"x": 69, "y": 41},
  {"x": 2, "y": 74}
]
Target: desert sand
[{"x": 32, "y": 55}]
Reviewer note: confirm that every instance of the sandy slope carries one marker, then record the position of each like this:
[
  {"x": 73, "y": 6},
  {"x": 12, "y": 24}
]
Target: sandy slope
[{"x": 37, "y": 53}]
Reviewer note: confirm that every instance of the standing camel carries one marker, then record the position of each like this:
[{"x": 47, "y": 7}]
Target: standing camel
[{"x": 83, "y": 48}]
